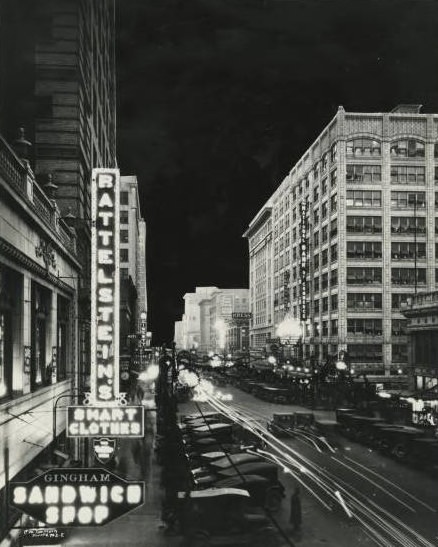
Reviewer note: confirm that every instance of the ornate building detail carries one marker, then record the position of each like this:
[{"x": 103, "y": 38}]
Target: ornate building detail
[{"x": 45, "y": 250}]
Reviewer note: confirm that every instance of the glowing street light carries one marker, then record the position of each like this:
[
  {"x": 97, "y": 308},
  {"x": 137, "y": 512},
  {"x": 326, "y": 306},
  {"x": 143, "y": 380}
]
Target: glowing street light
[
  {"x": 289, "y": 328},
  {"x": 341, "y": 365}
]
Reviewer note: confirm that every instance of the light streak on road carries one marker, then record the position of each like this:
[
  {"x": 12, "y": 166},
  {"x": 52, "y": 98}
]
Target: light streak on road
[
  {"x": 377, "y": 522},
  {"x": 377, "y": 485},
  {"x": 344, "y": 505},
  {"x": 393, "y": 484}
]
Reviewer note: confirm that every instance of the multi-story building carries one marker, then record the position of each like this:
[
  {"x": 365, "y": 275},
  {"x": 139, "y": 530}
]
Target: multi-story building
[
  {"x": 421, "y": 312},
  {"x": 39, "y": 278},
  {"x": 57, "y": 74},
  {"x": 207, "y": 323},
  {"x": 259, "y": 234},
  {"x": 220, "y": 330},
  {"x": 192, "y": 316},
  {"x": 132, "y": 260},
  {"x": 178, "y": 337},
  {"x": 354, "y": 232}
]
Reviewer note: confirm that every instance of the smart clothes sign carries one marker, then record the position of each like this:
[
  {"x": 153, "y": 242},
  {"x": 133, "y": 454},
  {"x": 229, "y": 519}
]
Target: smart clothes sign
[
  {"x": 105, "y": 421},
  {"x": 76, "y": 497}
]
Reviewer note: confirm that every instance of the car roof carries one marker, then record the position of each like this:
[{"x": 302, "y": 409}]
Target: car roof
[
  {"x": 214, "y": 492},
  {"x": 237, "y": 480},
  {"x": 251, "y": 468},
  {"x": 235, "y": 459}
]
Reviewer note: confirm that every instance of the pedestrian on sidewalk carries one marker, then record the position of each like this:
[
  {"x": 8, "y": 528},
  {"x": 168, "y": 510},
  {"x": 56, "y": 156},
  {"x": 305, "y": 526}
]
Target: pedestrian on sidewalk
[{"x": 295, "y": 517}]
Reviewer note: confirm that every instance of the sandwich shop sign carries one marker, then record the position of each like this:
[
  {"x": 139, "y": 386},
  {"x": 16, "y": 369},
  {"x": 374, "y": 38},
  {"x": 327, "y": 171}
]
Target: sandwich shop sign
[
  {"x": 105, "y": 411},
  {"x": 76, "y": 497}
]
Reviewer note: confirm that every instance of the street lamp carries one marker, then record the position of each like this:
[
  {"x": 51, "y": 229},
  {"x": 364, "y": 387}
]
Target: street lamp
[{"x": 290, "y": 329}]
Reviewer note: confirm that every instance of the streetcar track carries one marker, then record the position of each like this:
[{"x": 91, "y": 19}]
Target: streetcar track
[{"x": 387, "y": 523}]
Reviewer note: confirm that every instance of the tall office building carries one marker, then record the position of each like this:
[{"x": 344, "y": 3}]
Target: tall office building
[
  {"x": 132, "y": 260},
  {"x": 353, "y": 234},
  {"x": 57, "y": 81}
]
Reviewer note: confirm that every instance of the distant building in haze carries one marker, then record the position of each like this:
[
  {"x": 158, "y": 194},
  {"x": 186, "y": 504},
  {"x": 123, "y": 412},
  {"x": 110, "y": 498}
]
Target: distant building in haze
[{"x": 208, "y": 323}]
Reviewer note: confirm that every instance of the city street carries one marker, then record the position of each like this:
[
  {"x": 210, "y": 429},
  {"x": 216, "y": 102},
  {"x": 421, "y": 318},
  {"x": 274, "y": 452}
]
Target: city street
[{"x": 390, "y": 504}]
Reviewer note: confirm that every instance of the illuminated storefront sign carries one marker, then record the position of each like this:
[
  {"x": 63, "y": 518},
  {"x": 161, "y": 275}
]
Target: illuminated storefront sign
[
  {"x": 303, "y": 259},
  {"x": 76, "y": 497},
  {"x": 100, "y": 421},
  {"x": 241, "y": 315},
  {"x": 105, "y": 285}
]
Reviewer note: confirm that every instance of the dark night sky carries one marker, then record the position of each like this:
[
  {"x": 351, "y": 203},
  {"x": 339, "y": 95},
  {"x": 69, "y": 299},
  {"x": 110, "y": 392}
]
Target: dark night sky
[{"x": 217, "y": 99}]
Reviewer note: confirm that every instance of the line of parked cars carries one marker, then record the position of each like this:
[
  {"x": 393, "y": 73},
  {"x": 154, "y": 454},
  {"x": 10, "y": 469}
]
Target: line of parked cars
[
  {"x": 232, "y": 487},
  {"x": 407, "y": 444}
]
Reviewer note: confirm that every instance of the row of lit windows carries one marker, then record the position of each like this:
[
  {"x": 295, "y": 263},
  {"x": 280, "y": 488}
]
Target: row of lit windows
[
  {"x": 403, "y": 148},
  {"x": 399, "y": 276},
  {"x": 373, "y": 250},
  {"x": 401, "y": 199},
  {"x": 358, "y": 302},
  {"x": 399, "y": 225},
  {"x": 400, "y": 174}
]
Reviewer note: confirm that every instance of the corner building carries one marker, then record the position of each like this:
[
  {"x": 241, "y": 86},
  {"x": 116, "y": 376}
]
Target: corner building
[{"x": 365, "y": 194}]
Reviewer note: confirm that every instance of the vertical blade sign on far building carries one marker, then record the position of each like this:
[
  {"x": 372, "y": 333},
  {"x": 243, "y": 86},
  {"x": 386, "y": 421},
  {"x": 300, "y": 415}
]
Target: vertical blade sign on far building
[{"x": 105, "y": 285}]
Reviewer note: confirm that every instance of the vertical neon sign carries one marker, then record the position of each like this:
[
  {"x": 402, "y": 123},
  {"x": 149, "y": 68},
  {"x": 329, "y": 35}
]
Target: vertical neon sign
[
  {"x": 105, "y": 286},
  {"x": 303, "y": 258}
]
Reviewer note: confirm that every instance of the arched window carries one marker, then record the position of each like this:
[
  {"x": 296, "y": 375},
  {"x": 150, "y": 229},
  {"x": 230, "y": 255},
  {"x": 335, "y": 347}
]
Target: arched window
[
  {"x": 407, "y": 148},
  {"x": 363, "y": 147}
]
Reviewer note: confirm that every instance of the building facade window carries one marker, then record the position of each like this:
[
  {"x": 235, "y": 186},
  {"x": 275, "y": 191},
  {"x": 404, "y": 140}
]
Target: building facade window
[
  {"x": 363, "y": 147},
  {"x": 364, "y": 276},
  {"x": 9, "y": 302},
  {"x": 334, "y": 178},
  {"x": 324, "y": 282},
  {"x": 408, "y": 200},
  {"x": 364, "y": 327},
  {"x": 407, "y": 250},
  {"x": 63, "y": 332},
  {"x": 364, "y": 225},
  {"x": 334, "y": 152},
  {"x": 407, "y": 148},
  {"x": 124, "y": 197},
  {"x": 366, "y": 353},
  {"x": 364, "y": 173},
  {"x": 364, "y": 198},
  {"x": 364, "y": 301},
  {"x": 364, "y": 249},
  {"x": 333, "y": 204},
  {"x": 124, "y": 217},
  {"x": 407, "y": 276},
  {"x": 41, "y": 371},
  {"x": 408, "y": 225},
  {"x": 334, "y": 302},
  {"x": 334, "y": 278},
  {"x": 334, "y": 253},
  {"x": 124, "y": 236},
  {"x": 408, "y": 174},
  {"x": 124, "y": 255}
]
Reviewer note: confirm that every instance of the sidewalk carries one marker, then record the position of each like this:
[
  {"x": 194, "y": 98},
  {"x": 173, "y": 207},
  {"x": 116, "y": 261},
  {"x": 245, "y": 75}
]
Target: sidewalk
[{"x": 141, "y": 527}]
